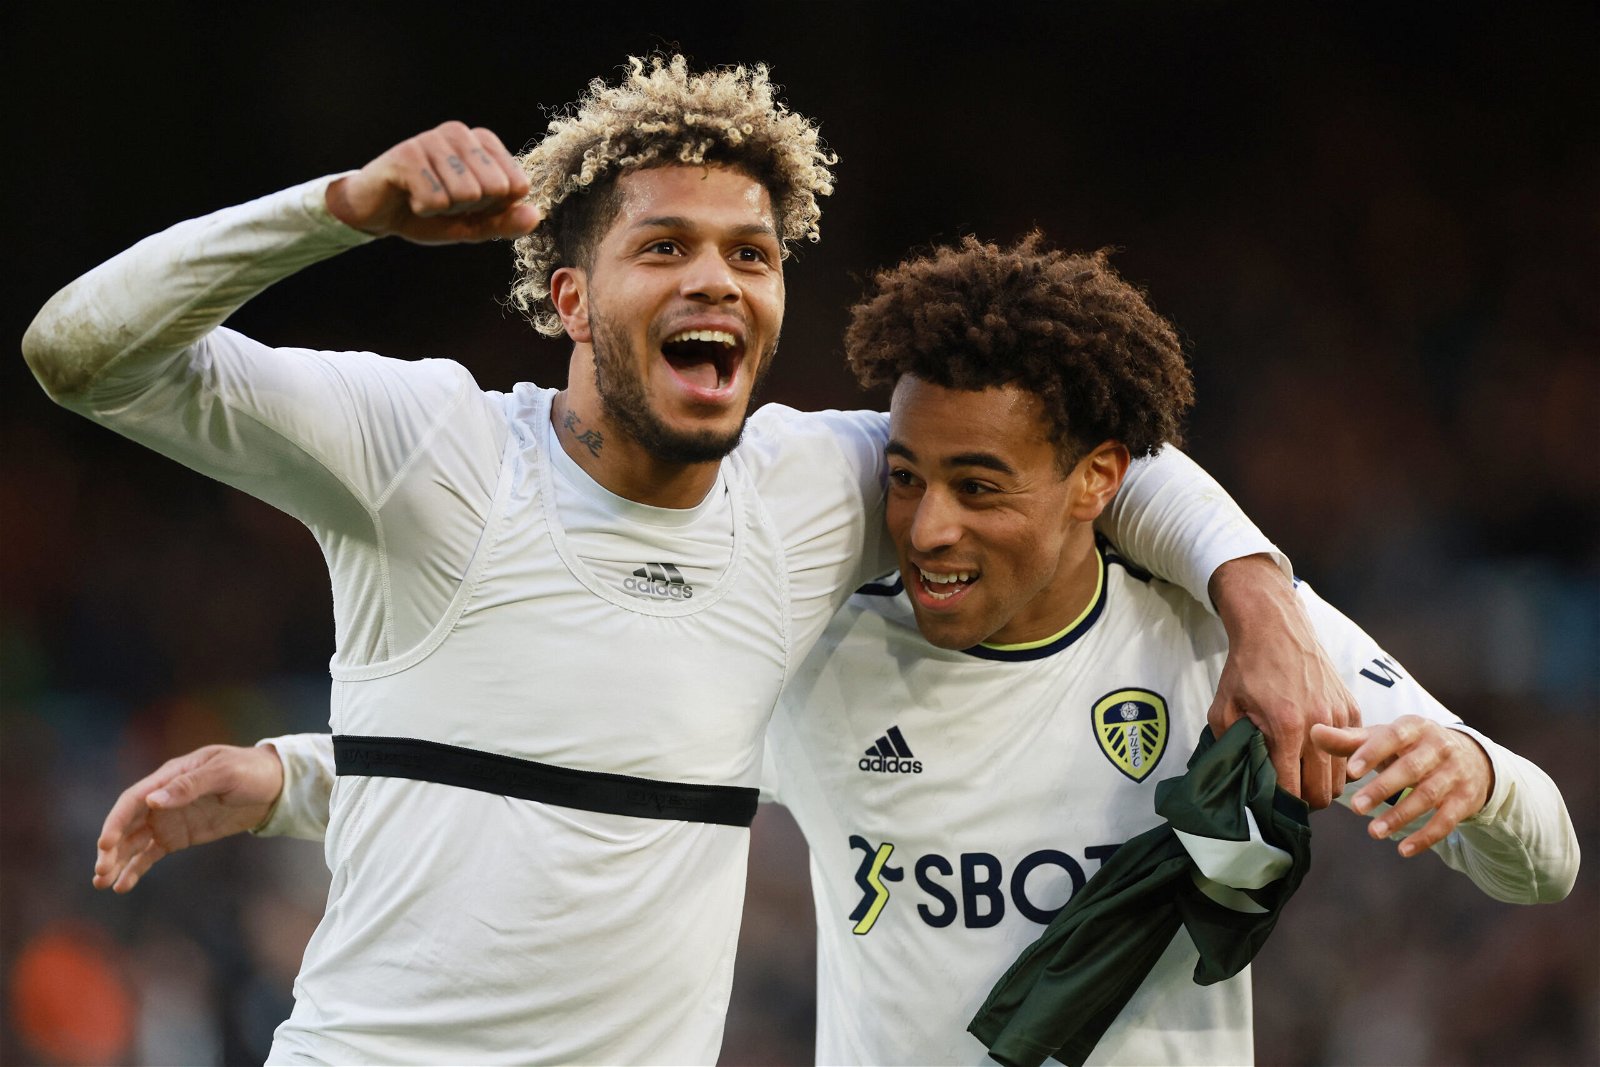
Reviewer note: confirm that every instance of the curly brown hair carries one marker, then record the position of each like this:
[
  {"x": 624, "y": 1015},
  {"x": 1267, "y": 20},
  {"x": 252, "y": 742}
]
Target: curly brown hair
[
  {"x": 660, "y": 114},
  {"x": 1065, "y": 327}
]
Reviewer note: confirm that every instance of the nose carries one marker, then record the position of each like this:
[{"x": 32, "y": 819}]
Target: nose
[
  {"x": 709, "y": 279},
  {"x": 935, "y": 524}
]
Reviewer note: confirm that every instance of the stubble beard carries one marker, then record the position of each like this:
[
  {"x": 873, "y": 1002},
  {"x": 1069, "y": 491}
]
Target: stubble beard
[{"x": 623, "y": 401}]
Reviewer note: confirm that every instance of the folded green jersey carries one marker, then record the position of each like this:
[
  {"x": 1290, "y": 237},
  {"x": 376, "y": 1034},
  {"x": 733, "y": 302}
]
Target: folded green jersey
[{"x": 1233, "y": 849}]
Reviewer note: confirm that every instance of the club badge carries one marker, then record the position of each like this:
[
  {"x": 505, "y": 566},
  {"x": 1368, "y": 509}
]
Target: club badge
[{"x": 1131, "y": 726}]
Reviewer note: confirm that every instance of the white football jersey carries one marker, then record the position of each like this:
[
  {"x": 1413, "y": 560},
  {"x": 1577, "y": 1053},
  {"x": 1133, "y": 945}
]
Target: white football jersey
[{"x": 954, "y": 801}]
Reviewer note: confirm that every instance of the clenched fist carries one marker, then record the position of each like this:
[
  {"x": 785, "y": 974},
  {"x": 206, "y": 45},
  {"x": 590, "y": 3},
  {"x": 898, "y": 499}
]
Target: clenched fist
[{"x": 450, "y": 185}]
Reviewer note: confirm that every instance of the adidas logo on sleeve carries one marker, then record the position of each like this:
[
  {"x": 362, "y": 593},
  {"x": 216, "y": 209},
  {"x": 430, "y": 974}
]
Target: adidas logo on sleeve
[
  {"x": 891, "y": 755},
  {"x": 659, "y": 581}
]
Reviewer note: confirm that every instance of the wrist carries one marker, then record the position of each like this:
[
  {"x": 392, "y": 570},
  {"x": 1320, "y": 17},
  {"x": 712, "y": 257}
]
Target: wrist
[{"x": 1247, "y": 590}]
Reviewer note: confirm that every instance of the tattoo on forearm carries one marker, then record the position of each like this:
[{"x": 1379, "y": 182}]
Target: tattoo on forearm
[
  {"x": 432, "y": 181},
  {"x": 593, "y": 440},
  {"x": 456, "y": 164}
]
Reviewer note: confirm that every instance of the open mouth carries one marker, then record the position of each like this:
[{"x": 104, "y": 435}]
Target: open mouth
[
  {"x": 705, "y": 359},
  {"x": 939, "y": 586}
]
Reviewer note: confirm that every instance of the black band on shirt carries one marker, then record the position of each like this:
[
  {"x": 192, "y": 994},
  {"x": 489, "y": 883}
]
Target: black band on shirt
[{"x": 490, "y": 772}]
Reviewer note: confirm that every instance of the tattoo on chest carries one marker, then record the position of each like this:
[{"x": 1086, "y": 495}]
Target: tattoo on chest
[{"x": 593, "y": 440}]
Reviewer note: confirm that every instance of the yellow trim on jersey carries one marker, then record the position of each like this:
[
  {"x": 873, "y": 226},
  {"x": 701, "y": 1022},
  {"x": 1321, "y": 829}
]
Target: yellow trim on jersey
[{"x": 1099, "y": 590}]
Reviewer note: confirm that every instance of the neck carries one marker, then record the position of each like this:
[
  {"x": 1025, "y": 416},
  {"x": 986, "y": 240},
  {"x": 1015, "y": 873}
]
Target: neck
[
  {"x": 1063, "y": 604},
  {"x": 621, "y": 464}
]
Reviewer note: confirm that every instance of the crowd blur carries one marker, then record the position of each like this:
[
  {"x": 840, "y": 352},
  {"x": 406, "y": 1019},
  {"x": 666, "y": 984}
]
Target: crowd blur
[{"x": 1379, "y": 237}]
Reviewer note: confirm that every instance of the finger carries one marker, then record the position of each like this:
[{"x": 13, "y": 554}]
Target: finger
[
  {"x": 138, "y": 867},
  {"x": 1409, "y": 769},
  {"x": 129, "y": 807},
  {"x": 110, "y": 857},
  {"x": 110, "y": 865},
  {"x": 516, "y": 221},
  {"x": 451, "y": 164},
  {"x": 1381, "y": 745},
  {"x": 1442, "y": 825},
  {"x": 491, "y": 145},
  {"x": 1222, "y": 714},
  {"x": 494, "y": 178},
  {"x": 1316, "y": 778},
  {"x": 1335, "y": 740},
  {"x": 1287, "y": 764},
  {"x": 455, "y": 229}
]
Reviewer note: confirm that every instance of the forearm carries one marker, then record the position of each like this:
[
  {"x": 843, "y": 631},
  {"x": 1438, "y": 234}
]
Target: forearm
[
  {"x": 301, "y": 809},
  {"x": 129, "y": 315},
  {"x": 1175, "y": 520},
  {"x": 1521, "y": 847}
]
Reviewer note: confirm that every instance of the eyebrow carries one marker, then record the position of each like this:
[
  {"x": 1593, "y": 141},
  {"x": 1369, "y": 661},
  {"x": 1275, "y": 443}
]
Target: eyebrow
[
  {"x": 680, "y": 222},
  {"x": 986, "y": 460}
]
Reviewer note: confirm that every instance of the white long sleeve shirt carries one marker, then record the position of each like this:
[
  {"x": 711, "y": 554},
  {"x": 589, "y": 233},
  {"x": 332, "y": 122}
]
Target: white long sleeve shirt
[{"x": 482, "y": 600}]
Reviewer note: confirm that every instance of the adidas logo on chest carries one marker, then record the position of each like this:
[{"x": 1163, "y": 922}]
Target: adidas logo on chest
[
  {"x": 658, "y": 581},
  {"x": 891, "y": 755}
]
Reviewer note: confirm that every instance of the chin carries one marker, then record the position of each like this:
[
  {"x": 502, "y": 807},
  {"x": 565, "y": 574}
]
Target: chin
[{"x": 944, "y": 637}]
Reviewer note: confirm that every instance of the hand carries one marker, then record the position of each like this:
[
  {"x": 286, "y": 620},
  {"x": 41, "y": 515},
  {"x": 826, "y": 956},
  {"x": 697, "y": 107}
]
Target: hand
[
  {"x": 1278, "y": 676},
  {"x": 1447, "y": 772},
  {"x": 211, "y": 793},
  {"x": 451, "y": 184}
]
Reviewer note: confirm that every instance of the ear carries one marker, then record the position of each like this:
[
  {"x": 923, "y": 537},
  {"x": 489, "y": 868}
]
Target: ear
[
  {"x": 1100, "y": 475},
  {"x": 569, "y": 292}
]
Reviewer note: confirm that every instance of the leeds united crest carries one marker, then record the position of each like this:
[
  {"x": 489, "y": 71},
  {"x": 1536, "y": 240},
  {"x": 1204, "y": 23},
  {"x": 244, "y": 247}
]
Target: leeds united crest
[{"x": 1131, "y": 726}]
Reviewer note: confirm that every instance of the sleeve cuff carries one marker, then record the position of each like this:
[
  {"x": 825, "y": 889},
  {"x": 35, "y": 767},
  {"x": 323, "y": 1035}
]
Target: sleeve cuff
[
  {"x": 1497, "y": 764},
  {"x": 301, "y": 809}
]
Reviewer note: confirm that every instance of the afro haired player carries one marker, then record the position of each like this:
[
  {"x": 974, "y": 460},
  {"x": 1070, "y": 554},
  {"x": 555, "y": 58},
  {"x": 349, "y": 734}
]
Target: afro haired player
[{"x": 534, "y": 857}]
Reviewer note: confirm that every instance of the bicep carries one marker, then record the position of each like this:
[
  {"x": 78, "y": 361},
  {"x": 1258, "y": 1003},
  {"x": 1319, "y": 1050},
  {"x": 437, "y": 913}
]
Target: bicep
[{"x": 312, "y": 433}]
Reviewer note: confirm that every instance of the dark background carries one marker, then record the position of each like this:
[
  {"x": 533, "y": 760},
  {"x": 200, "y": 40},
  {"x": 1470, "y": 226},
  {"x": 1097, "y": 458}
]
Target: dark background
[{"x": 1378, "y": 229}]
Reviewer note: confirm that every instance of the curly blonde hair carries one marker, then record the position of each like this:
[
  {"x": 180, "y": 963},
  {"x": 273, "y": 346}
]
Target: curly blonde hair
[{"x": 661, "y": 114}]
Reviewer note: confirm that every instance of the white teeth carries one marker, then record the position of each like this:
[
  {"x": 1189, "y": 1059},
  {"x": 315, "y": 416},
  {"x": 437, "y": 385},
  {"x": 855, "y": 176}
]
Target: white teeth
[
  {"x": 947, "y": 579},
  {"x": 721, "y": 337}
]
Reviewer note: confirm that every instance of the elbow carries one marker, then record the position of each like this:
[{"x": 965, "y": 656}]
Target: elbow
[
  {"x": 1562, "y": 877},
  {"x": 60, "y": 352}
]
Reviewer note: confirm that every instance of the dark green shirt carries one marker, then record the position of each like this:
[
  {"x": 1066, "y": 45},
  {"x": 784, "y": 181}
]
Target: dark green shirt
[{"x": 1067, "y": 988}]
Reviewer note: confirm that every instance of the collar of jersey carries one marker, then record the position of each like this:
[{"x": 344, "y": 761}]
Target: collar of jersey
[
  {"x": 567, "y": 469},
  {"x": 1049, "y": 646}
]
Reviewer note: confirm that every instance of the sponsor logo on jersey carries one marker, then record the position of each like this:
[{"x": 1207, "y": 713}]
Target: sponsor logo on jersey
[
  {"x": 870, "y": 876},
  {"x": 974, "y": 888},
  {"x": 1131, "y": 726},
  {"x": 1384, "y": 671},
  {"x": 890, "y": 755},
  {"x": 659, "y": 581}
]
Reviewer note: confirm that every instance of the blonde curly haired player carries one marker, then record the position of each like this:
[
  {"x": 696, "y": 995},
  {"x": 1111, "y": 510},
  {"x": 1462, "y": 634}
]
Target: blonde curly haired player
[
  {"x": 661, "y": 114},
  {"x": 563, "y": 617}
]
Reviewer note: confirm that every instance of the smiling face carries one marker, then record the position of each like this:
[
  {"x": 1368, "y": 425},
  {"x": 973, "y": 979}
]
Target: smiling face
[
  {"x": 680, "y": 309},
  {"x": 995, "y": 544}
]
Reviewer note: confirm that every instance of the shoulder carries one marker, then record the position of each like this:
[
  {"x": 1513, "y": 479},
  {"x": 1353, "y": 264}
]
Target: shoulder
[
  {"x": 780, "y": 437},
  {"x": 820, "y": 474}
]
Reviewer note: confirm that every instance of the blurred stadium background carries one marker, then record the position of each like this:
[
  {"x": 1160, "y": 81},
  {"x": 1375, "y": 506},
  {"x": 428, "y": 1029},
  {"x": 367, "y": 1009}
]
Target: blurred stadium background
[{"x": 1378, "y": 227}]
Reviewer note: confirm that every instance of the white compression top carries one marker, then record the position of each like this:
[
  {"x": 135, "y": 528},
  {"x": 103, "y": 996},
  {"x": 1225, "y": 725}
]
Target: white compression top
[{"x": 464, "y": 925}]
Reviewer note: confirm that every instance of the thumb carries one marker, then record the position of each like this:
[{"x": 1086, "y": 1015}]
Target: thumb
[
  {"x": 1222, "y": 714},
  {"x": 519, "y": 220},
  {"x": 182, "y": 790}
]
